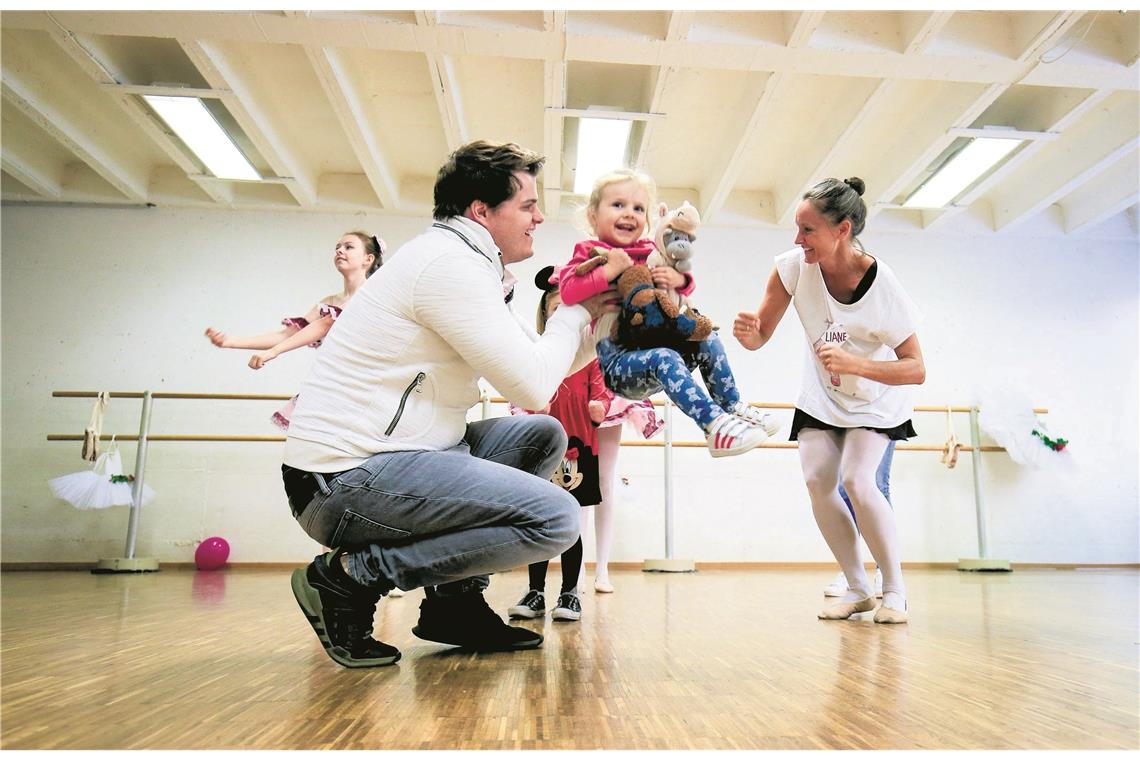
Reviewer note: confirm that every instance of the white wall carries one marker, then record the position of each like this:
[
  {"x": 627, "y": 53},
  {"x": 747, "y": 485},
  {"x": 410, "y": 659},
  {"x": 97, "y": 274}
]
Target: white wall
[{"x": 118, "y": 299}]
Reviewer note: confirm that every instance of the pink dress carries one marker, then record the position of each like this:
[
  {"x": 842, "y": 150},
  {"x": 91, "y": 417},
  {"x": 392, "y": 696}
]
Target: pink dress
[{"x": 281, "y": 416}]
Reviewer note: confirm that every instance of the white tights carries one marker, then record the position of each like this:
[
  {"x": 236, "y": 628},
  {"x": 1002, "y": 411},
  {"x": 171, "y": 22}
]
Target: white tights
[
  {"x": 824, "y": 456},
  {"x": 609, "y": 442}
]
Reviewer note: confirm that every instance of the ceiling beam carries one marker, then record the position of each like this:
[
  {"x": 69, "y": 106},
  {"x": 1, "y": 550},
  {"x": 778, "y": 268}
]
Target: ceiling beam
[
  {"x": 1032, "y": 194},
  {"x": 1060, "y": 24},
  {"x": 384, "y": 34},
  {"x": 39, "y": 178},
  {"x": 213, "y": 67},
  {"x": 137, "y": 112},
  {"x": 926, "y": 32},
  {"x": 680, "y": 22},
  {"x": 1111, "y": 193},
  {"x": 443, "y": 84},
  {"x": 715, "y": 192},
  {"x": 348, "y": 105},
  {"x": 553, "y": 130},
  {"x": 66, "y": 128}
]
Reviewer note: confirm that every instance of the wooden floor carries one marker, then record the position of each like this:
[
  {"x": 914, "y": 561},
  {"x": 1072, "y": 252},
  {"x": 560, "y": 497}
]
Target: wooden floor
[{"x": 722, "y": 659}]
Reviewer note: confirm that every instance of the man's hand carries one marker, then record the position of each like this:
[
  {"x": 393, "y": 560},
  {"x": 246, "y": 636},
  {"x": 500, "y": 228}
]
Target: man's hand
[{"x": 605, "y": 302}]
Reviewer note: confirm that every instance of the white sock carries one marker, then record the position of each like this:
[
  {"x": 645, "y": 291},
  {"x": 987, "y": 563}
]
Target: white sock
[{"x": 893, "y": 600}]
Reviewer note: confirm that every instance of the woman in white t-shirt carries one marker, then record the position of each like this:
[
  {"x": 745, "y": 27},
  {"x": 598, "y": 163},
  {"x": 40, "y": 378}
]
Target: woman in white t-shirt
[{"x": 862, "y": 353}]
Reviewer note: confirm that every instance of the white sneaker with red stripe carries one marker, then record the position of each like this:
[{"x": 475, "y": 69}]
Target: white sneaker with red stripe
[
  {"x": 749, "y": 413},
  {"x": 730, "y": 435}
]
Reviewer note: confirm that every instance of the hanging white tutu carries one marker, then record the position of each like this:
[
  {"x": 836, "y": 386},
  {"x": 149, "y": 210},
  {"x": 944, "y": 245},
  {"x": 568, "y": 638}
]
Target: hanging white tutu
[
  {"x": 104, "y": 485},
  {"x": 1007, "y": 416}
]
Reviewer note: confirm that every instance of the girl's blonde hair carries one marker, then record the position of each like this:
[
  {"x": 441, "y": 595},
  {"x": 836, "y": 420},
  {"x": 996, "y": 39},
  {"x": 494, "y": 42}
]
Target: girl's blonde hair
[{"x": 612, "y": 178}]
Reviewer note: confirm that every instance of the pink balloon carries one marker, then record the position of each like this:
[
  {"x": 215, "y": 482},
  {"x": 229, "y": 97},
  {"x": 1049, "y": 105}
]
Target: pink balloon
[{"x": 212, "y": 553}]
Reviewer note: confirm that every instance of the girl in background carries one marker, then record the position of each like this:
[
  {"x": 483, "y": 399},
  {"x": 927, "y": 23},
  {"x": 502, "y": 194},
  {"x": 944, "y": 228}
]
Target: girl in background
[{"x": 356, "y": 256}]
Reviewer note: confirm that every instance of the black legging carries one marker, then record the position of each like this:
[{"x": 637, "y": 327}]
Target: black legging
[{"x": 571, "y": 566}]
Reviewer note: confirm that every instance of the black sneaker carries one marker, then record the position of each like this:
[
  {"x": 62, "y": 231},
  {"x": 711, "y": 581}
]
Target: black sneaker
[
  {"x": 531, "y": 606},
  {"x": 341, "y": 611},
  {"x": 466, "y": 620},
  {"x": 568, "y": 608}
]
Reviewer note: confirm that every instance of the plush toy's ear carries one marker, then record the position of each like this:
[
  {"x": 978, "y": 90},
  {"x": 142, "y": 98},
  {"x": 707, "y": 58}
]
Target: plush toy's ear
[{"x": 662, "y": 210}]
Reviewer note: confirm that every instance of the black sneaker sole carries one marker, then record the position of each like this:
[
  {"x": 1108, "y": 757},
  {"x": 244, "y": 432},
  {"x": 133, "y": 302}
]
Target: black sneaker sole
[
  {"x": 309, "y": 600},
  {"x": 504, "y": 647},
  {"x": 525, "y": 613}
]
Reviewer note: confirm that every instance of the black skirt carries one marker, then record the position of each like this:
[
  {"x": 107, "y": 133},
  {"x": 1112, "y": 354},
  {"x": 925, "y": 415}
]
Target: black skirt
[{"x": 802, "y": 419}]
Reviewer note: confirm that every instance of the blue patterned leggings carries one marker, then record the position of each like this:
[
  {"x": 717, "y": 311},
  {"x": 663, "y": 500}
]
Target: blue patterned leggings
[{"x": 637, "y": 374}]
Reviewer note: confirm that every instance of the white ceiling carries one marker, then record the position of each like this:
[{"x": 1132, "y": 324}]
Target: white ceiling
[{"x": 740, "y": 112}]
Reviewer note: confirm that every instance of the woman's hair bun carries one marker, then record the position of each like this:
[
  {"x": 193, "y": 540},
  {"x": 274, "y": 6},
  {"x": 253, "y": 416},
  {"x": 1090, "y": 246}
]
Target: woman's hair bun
[{"x": 856, "y": 184}]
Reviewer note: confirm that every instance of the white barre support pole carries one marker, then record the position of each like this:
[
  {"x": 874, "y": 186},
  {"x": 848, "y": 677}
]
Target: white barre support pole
[
  {"x": 669, "y": 564},
  {"x": 130, "y": 563},
  {"x": 983, "y": 562}
]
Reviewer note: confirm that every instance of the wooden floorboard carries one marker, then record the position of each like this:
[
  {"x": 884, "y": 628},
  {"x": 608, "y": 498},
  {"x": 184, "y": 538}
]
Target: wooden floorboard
[{"x": 718, "y": 659}]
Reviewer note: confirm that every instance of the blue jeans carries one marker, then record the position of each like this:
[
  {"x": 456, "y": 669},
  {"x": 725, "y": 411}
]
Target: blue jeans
[
  {"x": 421, "y": 518},
  {"x": 639, "y": 373},
  {"x": 882, "y": 479}
]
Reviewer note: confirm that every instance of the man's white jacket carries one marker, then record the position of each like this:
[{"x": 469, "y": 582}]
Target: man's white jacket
[{"x": 400, "y": 367}]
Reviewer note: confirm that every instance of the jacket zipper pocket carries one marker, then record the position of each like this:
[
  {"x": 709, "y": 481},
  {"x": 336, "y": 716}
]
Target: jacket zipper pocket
[{"x": 414, "y": 386}]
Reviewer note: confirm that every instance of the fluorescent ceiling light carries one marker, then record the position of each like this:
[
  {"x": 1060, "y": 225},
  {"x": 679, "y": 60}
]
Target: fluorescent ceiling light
[
  {"x": 977, "y": 158},
  {"x": 601, "y": 148},
  {"x": 198, "y": 128}
]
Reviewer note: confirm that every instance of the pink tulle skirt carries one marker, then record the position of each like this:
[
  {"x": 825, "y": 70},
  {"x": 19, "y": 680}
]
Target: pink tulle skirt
[
  {"x": 640, "y": 415},
  {"x": 281, "y": 416}
]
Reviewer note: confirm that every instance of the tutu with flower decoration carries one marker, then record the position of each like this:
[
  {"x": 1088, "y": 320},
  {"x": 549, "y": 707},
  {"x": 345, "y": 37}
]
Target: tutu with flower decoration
[
  {"x": 1007, "y": 416},
  {"x": 104, "y": 485}
]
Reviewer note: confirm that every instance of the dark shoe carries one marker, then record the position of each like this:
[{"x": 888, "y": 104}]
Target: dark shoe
[
  {"x": 341, "y": 611},
  {"x": 466, "y": 620},
  {"x": 568, "y": 608},
  {"x": 531, "y": 606}
]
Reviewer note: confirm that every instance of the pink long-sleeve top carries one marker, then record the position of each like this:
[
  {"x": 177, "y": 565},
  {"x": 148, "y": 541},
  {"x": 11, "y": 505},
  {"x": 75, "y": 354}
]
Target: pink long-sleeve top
[{"x": 574, "y": 288}]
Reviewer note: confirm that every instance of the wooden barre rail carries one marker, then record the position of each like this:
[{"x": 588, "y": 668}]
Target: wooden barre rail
[
  {"x": 208, "y": 396},
  {"x": 493, "y": 400},
  {"x": 648, "y": 444},
  {"x": 144, "y": 438}
]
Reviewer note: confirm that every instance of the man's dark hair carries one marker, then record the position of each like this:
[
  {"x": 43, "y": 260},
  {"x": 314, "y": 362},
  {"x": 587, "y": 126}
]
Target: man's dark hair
[{"x": 481, "y": 171}]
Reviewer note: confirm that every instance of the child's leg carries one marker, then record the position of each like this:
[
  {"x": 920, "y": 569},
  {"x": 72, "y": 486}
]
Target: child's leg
[
  {"x": 571, "y": 566},
  {"x": 640, "y": 373},
  {"x": 537, "y": 572},
  {"x": 709, "y": 357},
  {"x": 883, "y": 474},
  {"x": 609, "y": 443}
]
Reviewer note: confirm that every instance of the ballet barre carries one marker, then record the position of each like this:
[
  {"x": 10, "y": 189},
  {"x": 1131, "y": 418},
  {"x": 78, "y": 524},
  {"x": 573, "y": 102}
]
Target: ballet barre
[
  {"x": 669, "y": 564},
  {"x": 129, "y": 563}
]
